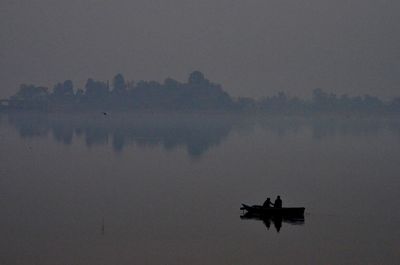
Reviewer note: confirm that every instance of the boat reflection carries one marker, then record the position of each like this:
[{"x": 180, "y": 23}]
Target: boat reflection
[{"x": 276, "y": 220}]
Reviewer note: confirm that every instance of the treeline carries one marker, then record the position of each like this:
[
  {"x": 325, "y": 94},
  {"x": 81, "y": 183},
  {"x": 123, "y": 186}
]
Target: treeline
[
  {"x": 197, "y": 93},
  {"x": 321, "y": 102}
]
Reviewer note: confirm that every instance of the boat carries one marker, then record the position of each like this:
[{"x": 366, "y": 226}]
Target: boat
[
  {"x": 277, "y": 216},
  {"x": 258, "y": 210}
]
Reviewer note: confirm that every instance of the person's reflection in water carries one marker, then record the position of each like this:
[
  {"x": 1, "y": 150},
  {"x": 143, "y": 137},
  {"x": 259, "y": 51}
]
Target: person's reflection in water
[
  {"x": 267, "y": 222},
  {"x": 277, "y": 222}
]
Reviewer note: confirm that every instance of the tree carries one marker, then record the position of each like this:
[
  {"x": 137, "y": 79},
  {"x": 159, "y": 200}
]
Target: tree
[
  {"x": 64, "y": 90},
  {"x": 79, "y": 94},
  {"x": 119, "y": 84},
  {"x": 31, "y": 92},
  {"x": 197, "y": 78},
  {"x": 96, "y": 89},
  {"x": 171, "y": 83}
]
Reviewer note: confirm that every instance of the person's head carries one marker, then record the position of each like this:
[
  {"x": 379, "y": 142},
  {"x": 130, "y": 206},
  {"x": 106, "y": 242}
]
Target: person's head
[
  {"x": 268, "y": 199},
  {"x": 279, "y": 197}
]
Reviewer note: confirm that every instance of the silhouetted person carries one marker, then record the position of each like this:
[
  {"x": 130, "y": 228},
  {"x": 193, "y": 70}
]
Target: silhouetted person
[
  {"x": 267, "y": 203},
  {"x": 278, "y": 202}
]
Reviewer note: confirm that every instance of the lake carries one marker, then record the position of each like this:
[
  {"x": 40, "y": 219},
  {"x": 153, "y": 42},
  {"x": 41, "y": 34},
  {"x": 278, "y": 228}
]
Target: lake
[{"x": 123, "y": 188}]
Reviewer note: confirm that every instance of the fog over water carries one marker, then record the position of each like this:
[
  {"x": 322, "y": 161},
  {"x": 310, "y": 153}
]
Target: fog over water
[
  {"x": 157, "y": 188},
  {"x": 253, "y": 48}
]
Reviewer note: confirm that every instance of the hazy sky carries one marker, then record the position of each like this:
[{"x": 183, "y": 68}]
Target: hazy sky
[{"x": 251, "y": 47}]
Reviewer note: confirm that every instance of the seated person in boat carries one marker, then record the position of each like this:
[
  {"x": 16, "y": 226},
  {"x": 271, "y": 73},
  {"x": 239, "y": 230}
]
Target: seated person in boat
[
  {"x": 267, "y": 203},
  {"x": 278, "y": 202}
]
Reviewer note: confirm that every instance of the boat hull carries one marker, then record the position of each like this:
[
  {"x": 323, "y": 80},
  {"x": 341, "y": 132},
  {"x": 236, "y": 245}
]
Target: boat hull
[{"x": 284, "y": 211}]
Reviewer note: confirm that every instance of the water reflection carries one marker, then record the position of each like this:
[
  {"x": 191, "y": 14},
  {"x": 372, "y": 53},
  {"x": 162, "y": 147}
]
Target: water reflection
[
  {"x": 49, "y": 206},
  {"x": 325, "y": 127},
  {"x": 276, "y": 220},
  {"x": 197, "y": 133}
]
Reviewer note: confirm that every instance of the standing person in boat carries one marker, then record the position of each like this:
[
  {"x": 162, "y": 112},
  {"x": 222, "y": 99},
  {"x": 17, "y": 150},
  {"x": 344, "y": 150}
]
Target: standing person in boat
[
  {"x": 268, "y": 203},
  {"x": 278, "y": 202}
]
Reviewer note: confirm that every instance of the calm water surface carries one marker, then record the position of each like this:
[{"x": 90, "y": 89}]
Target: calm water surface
[{"x": 166, "y": 189}]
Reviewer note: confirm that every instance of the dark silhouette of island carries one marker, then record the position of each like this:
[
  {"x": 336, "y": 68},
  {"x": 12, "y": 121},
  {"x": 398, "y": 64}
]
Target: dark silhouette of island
[{"x": 196, "y": 94}]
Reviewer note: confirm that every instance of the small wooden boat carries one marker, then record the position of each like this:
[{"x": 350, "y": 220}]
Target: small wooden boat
[{"x": 271, "y": 211}]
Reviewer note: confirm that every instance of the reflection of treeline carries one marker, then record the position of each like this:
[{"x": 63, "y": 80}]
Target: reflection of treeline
[
  {"x": 197, "y": 133},
  {"x": 198, "y": 93},
  {"x": 322, "y": 127}
]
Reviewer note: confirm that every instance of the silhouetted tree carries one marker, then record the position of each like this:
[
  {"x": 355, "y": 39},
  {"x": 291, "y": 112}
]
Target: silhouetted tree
[
  {"x": 119, "y": 84},
  {"x": 96, "y": 90},
  {"x": 79, "y": 96},
  {"x": 30, "y": 97},
  {"x": 63, "y": 91},
  {"x": 170, "y": 83},
  {"x": 31, "y": 92},
  {"x": 246, "y": 104},
  {"x": 197, "y": 78}
]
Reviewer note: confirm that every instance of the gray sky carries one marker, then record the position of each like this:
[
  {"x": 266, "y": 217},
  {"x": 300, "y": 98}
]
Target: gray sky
[{"x": 252, "y": 47}]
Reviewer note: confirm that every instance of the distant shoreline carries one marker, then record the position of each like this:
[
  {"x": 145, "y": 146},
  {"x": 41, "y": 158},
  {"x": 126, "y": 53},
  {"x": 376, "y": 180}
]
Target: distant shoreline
[
  {"x": 203, "y": 113},
  {"x": 197, "y": 94}
]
